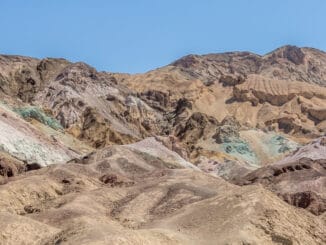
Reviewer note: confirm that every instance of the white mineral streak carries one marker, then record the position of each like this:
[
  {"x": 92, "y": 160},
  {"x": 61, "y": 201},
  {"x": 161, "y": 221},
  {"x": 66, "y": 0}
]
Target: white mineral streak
[
  {"x": 31, "y": 148},
  {"x": 152, "y": 147}
]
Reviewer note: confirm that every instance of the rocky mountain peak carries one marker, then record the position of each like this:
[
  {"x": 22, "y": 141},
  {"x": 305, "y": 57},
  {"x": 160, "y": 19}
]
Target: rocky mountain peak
[{"x": 291, "y": 53}]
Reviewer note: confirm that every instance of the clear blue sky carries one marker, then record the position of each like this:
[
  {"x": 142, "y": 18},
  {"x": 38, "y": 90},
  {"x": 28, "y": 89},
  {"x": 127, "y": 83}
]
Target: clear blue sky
[{"x": 139, "y": 35}]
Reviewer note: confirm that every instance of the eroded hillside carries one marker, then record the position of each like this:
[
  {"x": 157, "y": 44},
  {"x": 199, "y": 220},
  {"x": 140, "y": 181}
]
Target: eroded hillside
[{"x": 211, "y": 149}]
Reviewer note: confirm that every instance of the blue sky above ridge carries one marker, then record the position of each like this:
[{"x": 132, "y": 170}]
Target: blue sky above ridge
[{"x": 137, "y": 36}]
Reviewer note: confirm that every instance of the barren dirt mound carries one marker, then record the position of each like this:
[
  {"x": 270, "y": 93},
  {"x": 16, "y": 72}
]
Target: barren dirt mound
[{"x": 123, "y": 195}]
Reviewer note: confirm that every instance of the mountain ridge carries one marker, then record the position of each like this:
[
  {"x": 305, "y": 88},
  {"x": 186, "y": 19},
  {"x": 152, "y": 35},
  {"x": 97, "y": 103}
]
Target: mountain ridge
[{"x": 220, "y": 148}]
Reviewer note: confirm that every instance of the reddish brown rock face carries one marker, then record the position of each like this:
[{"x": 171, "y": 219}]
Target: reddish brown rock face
[
  {"x": 307, "y": 200},
  {"x": 300, "y": 179}
]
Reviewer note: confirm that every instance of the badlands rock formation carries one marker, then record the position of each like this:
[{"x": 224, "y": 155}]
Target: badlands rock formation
[
  {"x": 213, "y": 149},
  {"x": 300, "y": 178}
]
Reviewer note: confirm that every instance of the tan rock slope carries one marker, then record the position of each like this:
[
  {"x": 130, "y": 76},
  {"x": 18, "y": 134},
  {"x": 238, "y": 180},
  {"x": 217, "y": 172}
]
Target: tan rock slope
[
  {"x": 124, "y": 195},
  {"x": 211, "y": 149}
]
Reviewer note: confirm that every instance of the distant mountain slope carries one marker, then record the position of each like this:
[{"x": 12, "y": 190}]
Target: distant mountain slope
[
  {"x": 279, "y": 93},
  {"x": 285, "y": 63}
]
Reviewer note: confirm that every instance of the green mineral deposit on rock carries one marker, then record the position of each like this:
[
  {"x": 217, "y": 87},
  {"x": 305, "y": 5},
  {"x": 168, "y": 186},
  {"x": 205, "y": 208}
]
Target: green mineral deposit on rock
[
  {"x": 240, "y": 149},
  {"x": 280, "y": 144},
  {"x": 37, "y": 114}
]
